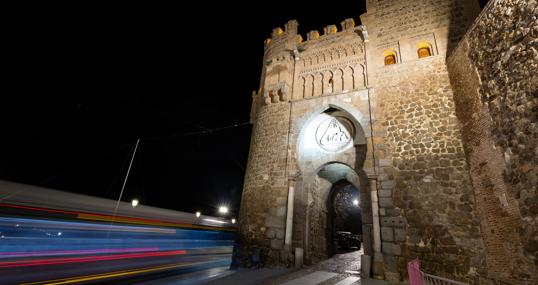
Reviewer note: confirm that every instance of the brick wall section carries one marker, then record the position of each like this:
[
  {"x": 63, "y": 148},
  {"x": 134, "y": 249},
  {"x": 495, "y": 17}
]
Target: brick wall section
[{"x": 494, "y": 73}]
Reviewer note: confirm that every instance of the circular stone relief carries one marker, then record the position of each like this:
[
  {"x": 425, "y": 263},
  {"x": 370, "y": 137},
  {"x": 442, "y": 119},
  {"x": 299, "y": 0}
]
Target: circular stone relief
[{"x": 334, "y": 134}]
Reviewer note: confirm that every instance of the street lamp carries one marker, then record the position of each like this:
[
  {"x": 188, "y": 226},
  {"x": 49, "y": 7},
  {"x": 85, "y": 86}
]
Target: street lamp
[
  {"x": 223, "y": 210},
  {"x": 356, "y": 202},
  {"x": 233, "y": 221},
  {"x": 134, "y": 202},
  {"x": 198, "y": 214}
]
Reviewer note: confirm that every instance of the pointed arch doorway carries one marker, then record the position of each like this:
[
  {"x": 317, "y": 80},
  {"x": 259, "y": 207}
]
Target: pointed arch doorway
[
  {"x": 330, "y": 194},
  {"x": 331, "y": 151}
]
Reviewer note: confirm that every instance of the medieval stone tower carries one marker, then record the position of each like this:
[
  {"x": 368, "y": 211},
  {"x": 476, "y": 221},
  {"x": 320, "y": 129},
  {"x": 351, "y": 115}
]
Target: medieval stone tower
[{"x": 371, "y": 106}]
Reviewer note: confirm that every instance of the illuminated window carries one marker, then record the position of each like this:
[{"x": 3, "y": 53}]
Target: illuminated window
[
  {"x": 424, "y": 49},
  {"x": 390, "y": 59},
  {"x": 424, "y": 52}
]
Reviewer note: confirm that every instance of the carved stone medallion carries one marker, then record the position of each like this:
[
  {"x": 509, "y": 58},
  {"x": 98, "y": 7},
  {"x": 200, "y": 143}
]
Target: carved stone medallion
[{"x": 332, "y": 135}]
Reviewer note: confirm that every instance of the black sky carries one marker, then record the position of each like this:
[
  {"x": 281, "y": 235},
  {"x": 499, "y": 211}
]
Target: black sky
[{"x": 84, "y": 82}]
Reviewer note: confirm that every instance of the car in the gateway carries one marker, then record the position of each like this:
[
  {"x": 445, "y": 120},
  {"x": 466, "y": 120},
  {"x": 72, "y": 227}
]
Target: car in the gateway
[{"x": 347, "y": 240}]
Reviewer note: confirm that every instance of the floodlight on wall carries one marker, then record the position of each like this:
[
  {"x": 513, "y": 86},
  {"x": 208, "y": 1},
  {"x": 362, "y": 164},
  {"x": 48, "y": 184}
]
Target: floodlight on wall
[
  {"x": 233, "y": 221},
  {"x": 356, "y": 202}
]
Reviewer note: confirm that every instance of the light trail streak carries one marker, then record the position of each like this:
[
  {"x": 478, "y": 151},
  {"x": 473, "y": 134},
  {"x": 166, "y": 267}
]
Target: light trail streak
[
  {"x": 119, "y": 219},
  {"x": 111, "y": 274},
  {"x": 40, "y": 223},
  {"x": 75, "y": 252},
  {"x": 50, "y": 261},
  {"x": 79, "y": 245}
]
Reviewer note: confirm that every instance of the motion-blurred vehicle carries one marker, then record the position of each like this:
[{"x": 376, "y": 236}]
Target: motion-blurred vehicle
[{"x": 52, "y": 237}]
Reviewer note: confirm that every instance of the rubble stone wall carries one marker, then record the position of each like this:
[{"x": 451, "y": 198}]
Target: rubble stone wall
[
  {"x": 494, "y": 73},
  {"x": 262, "y": 217},
  {"x": 426, "y": 200}
]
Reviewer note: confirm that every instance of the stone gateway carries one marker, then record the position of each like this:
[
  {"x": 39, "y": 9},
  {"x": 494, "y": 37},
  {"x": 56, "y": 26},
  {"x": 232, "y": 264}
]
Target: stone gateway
[{"x": 430, "y": 110}]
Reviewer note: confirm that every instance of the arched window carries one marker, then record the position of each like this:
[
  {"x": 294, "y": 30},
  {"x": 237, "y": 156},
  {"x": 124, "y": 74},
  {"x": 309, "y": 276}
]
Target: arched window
[
  {"x": 424, "y": 49},
  {"x": 390, "y": 57},
  {"x": 424, "y": 52}
]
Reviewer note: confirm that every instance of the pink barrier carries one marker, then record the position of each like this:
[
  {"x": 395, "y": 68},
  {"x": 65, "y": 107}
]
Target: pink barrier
[
  {"x": 413, "y": 269},
  {"x": 417, "y": 277}
]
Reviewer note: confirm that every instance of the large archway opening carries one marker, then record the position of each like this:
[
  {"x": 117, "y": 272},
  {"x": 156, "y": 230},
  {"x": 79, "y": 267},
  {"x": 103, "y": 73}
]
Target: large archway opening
[
  {"x": 331, "y": 153},
  {"x": 334, "y": 220},
  {"x": 344, "y": 221}
]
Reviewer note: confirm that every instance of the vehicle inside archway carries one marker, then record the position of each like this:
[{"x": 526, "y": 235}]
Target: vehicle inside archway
[{"x": 344, "y": 218}]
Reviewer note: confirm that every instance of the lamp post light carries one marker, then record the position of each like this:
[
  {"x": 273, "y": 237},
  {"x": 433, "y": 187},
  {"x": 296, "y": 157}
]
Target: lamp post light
[
  {"x": 356, "y": 202},
  {"x": 134, "y": 202},
  {"x": 233, "y": 221},
  {"x": 223, "y": 210},
  {"x": 198, "y": 214}
]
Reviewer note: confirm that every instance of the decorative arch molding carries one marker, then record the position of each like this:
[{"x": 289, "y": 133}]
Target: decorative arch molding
[
  {"x": 319, "y": 170},
  {"x": 358, "y": 119},
  {"x": 338, "y": 80},
  {"x": 360, "y": 76},
  {"x": 349, "y": 78},
  {"x": 357, "y": 178},
  {"x": 320, "y": 184},
  {"x": 311, "y": 155},
  {"x": 318, "y": 84},
  {"x": 334, "y": 162}
]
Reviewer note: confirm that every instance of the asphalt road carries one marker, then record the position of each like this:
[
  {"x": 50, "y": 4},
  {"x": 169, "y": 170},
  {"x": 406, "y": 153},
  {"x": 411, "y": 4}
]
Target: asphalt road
[{"x": 189, "y": 269}]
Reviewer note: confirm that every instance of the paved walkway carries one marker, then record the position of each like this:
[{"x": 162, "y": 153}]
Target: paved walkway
[{"x": 341, "y": 269}]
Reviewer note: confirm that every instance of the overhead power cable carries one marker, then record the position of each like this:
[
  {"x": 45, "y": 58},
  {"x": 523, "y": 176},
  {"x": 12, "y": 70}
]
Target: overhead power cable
[{"x": 205, "y": 131}]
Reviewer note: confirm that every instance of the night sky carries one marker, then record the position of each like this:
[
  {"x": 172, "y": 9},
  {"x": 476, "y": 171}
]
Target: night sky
[{"x": 85, "y": 82}]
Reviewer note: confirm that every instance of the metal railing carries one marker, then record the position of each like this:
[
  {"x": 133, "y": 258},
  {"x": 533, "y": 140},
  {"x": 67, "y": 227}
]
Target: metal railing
[{"x": 417, "y": 277}]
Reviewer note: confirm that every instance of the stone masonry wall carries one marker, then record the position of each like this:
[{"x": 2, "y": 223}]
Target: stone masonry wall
[
  {"x": 426, "y": 201},
  {"x": 494, "y": 72},
  {"x": 400, "y": 25},
  {"x": 263, "y": 207},
  {"x": 426, "y": 196}
]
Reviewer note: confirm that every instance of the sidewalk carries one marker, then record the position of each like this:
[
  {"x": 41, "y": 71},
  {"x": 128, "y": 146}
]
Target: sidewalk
[
  {"x": 341, "y": 269},
  {"x": 251, "y": 276}
]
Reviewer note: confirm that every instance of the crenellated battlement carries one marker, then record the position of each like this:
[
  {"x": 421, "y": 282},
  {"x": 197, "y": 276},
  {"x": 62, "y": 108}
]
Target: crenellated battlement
[
  {"x": 291, "y": 31},
  {"x": 330, "y": 63}
]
